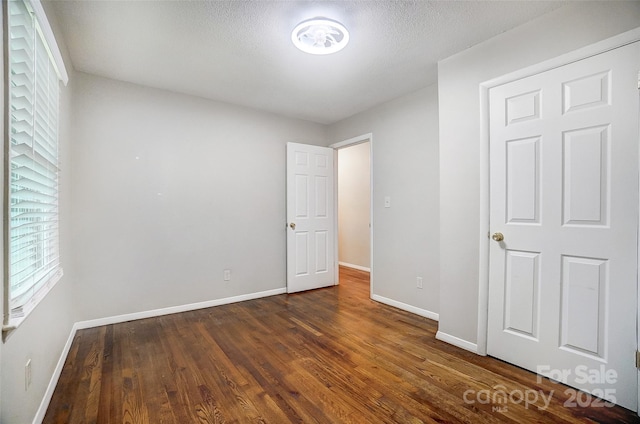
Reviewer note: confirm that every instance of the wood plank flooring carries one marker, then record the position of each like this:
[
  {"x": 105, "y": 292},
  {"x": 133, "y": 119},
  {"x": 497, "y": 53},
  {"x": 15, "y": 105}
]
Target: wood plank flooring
[{"x": 325, "y": 356}]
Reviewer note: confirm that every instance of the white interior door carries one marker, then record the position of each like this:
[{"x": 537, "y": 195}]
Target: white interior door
[
  {"x": 564, "y": 195},
  {"x": 310, "y": 217}
]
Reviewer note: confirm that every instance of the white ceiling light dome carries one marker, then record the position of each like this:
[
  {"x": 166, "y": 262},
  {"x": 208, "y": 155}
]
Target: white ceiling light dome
[{"x": 320, "y": 36}]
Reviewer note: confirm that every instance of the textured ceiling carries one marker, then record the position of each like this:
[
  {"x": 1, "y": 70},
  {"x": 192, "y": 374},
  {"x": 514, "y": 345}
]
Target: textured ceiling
[{"x": 241, "y": 52}]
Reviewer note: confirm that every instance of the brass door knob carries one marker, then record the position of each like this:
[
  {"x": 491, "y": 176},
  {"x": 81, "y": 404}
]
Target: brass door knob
[
  {"x": 498, "y": 236},
  {"x": 292, "y": 225}
]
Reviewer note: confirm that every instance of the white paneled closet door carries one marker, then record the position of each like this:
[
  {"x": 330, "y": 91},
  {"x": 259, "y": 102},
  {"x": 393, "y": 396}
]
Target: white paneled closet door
[{"x": 564, "y": 201}]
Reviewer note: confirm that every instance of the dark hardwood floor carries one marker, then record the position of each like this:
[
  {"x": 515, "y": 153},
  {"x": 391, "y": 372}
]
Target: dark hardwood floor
[{"x": 325, "y": 356}]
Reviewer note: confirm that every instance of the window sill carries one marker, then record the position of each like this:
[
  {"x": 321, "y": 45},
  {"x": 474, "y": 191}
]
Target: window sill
[{"x": 14, "y": 320}]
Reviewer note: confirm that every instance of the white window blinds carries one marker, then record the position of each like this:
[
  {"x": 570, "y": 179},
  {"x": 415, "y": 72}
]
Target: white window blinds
[{"x": 32, "y": 263}]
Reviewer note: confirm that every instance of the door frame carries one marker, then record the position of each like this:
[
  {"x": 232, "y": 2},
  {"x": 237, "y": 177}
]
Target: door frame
[
  {"x": 603, "y": 46},
  {"x": 341, "y": 145}
]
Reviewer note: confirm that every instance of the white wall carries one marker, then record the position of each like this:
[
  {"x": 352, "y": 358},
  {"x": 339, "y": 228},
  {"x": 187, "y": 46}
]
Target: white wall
[
  {"x": 43, "y": 334},
  {"x": 354, "y": 201},
  {"x": 405, "y": 167},
  {"x": 172, "y": 190},
  {"x": 566, "y": 29}
]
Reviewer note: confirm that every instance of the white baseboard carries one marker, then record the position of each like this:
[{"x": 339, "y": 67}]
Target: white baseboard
[
  {"x": 42, "y": 409},
  {"x": 456, "y": 341},
  {"x": 48, "y": 394},
  {"x": 405, "y": 307},
  {"x": 358, "y": 267},
  {"x": 176, "y": 309}
]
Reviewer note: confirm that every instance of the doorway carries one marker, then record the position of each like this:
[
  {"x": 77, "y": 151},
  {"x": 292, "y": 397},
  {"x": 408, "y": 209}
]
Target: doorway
[{"x": 354, "y": 226}]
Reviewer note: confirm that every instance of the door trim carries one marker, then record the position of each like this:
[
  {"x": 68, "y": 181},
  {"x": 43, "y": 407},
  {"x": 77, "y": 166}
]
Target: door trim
[
  {"x": 341, "y": 145},
  {"x": 565, "y": 59}
]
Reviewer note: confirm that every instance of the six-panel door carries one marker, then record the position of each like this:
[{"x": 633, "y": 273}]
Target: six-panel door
[
  {"x": 564, "y": 192},
  {"x": 311, "y": 217}
]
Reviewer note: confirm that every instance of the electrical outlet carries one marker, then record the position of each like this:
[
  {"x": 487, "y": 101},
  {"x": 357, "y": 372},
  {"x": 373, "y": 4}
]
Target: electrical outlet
[
  {"x": 227, "y": 275},
  {"x": 419, "y": 282},
  {"x": 27, "y": 374}
]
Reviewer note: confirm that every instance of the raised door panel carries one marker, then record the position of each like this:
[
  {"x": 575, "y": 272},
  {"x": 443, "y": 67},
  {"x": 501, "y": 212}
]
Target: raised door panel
[
  {"x": 302, "y": 253},
  {"x": 586, "y": 176},
  {"x": 523, "y": 181},
  {"x": 584, "y": 305},
  {"x": 302, "y": 196},
  {"x": 321, "y": 196},
  {"x": 322, "y": 251},
  {"x": 522, "y": 283},
  {"x": 522, "y": 107},
  {"x": 586, "y": 92}
]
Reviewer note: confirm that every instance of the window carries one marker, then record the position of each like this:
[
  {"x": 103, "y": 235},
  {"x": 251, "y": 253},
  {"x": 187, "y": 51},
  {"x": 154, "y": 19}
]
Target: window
[{"x": 32, "y": 259}]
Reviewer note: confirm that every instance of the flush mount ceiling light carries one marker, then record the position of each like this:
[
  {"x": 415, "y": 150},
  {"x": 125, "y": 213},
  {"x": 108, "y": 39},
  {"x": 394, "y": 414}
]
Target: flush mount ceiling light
[{"x": 320, "y": 36}]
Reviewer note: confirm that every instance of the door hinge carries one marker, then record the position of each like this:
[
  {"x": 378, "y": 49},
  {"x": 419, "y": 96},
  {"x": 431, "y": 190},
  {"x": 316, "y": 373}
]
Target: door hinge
[{"x": 637, "y": 359}]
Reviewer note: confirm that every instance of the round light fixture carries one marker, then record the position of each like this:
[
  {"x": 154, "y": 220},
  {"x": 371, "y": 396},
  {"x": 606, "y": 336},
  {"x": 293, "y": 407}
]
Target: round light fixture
[{"x": 320, "y": 36}]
